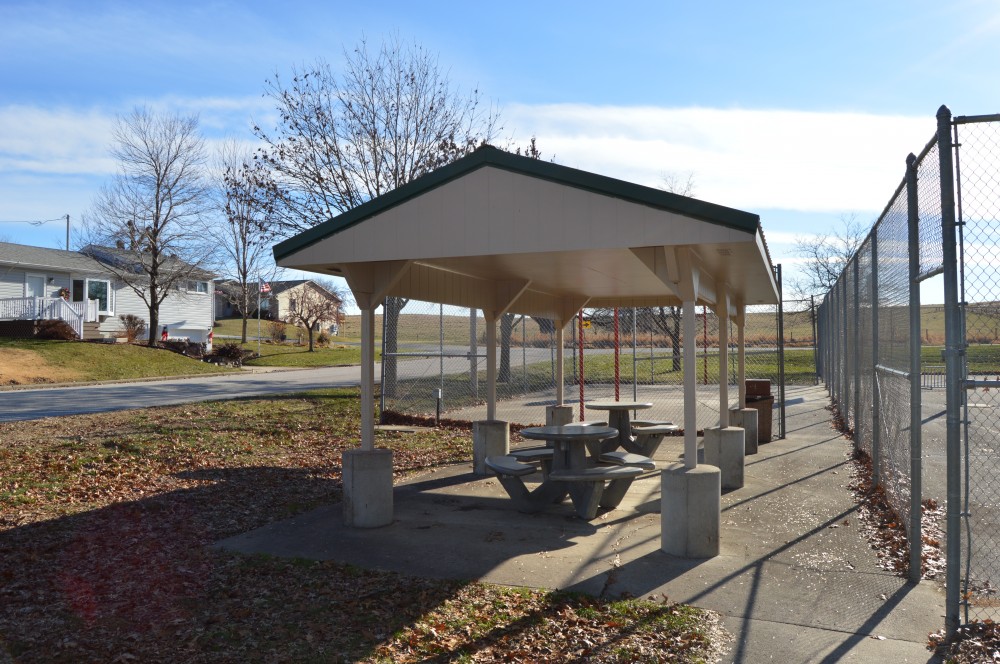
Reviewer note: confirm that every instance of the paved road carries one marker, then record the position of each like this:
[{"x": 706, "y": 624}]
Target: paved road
[
  {"x": 34, "y": 404},
  {"x": 48, "y": 402}
]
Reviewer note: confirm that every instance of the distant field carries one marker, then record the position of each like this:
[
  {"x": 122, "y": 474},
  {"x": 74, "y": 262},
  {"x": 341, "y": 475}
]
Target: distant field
[{"x": 982, "y": 324}]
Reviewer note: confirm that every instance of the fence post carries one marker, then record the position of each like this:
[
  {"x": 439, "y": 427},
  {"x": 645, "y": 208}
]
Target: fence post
[
  {"x": 954, "y": 347},
  {"x": 381, "y": 392},
  {"x": 781, "y": 356},
  {"x": 845, "y": 406},
  {"x": 876, "y": 393},
  {"x": 813, "y": 315},
  {"x": 913, "y": 212},
  {"x": 856, "y": 399}
]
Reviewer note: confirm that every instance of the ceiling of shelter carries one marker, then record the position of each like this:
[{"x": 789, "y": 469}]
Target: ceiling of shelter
[{"x": 505, "y": 233}]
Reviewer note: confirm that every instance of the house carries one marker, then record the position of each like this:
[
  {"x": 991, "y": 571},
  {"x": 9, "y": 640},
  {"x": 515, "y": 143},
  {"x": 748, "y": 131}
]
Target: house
[
  {"x": 275, "y": 304},
  {"x": 37, "y": 283}
]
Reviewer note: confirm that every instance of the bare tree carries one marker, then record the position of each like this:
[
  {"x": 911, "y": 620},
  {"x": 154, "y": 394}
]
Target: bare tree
[
  {"x": 150, "y": 215},
  {"x": 826, "y": 255},
  {"x": 389, "y": 117},
  {"x": 244, "y": 236},
  {"x": 310, "y": 309},
  {"x": 676, "y": 182}
]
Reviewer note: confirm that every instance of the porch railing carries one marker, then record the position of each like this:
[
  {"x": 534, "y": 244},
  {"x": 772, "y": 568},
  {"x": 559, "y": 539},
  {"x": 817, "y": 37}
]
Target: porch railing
[{"x": 49, "y": 308}]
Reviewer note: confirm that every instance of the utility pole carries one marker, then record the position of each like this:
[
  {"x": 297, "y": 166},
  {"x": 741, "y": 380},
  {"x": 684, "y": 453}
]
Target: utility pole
[{"x": 67, "y": 232}]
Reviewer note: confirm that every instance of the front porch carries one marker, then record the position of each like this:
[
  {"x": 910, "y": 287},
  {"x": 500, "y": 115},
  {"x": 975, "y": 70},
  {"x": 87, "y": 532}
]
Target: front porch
[{"x": 75, "y": 314}]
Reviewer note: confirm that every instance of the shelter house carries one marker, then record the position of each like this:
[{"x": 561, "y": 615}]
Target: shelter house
[{"x": 509, "y": 234}]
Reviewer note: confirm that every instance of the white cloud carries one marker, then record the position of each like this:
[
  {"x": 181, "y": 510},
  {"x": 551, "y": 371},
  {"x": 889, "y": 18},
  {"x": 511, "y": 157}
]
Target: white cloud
[
  {"x": 54, "y": 141},
  {"x": 43, "y": 141},
  {"x": 749, "y": 159}
]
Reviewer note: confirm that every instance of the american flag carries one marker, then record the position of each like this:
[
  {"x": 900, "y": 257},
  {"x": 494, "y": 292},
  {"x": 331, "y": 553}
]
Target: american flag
[{"x": 265, "y": 287}]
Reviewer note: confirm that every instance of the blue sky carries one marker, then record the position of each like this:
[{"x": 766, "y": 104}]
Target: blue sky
[{"x": 800, "y": 112}]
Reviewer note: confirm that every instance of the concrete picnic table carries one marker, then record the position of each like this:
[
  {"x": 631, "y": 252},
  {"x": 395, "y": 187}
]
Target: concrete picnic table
[
  {"x": 577, "y": 470},
  {"x": 618, "y": 418}
]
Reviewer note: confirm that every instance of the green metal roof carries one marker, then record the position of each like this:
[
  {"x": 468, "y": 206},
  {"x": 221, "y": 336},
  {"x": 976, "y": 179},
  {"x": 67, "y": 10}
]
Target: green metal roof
[{"x": 491, "y": 156}]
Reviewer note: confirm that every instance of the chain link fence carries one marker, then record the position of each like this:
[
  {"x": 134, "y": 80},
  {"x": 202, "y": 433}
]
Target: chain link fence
[
  {"x": 918, "y": 384},
  {"x": 434, "y": 360}
]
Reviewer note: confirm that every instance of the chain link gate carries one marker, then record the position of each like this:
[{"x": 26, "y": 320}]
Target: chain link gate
[{"x": 977, "y": 151}]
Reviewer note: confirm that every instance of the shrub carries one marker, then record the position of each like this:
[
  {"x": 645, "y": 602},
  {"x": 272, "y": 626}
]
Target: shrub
[
  {"x": 323, "y": 339},
  {"x": 276, "y": 330},
  {"x": 58, "y": 330},
  {"x": 230, "y": 351},
  {"x": 132, "y": 327}
]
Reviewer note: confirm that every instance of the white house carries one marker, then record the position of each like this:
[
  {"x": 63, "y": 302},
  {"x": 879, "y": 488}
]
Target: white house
[{"x": 37, "y": 283}]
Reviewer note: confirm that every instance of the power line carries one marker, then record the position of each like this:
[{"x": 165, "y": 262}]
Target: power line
[
  {"x": 33, "y": 222},
  {"x": 39, "y": 222}
]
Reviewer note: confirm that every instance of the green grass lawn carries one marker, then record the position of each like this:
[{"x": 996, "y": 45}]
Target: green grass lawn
[
  {"x": 73, "y": 361},
  {"x": 292, "y": 355}
]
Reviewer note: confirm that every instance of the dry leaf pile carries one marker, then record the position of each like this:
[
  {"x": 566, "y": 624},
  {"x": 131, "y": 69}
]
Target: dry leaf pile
[{"x": 106, "y": 523}]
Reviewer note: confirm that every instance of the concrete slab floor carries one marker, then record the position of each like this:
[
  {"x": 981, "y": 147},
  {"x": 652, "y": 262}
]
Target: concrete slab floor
[{"x": 796, "y": 581}]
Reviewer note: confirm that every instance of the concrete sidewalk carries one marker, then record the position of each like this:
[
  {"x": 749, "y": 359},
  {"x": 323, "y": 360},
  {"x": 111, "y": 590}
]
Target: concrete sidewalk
[{"x": 796, "y": 580}]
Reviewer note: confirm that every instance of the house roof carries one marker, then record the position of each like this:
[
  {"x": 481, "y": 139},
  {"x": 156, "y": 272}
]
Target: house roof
[
  {"x": 42, "y": 257},
  {"x": 503, "y": 232},
  {"x": 122, "y": 256}
]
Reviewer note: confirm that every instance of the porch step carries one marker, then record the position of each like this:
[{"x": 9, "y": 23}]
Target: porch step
[{"x": 91, "y": 331}]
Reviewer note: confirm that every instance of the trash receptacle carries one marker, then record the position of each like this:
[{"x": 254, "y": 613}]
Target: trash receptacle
[{"x": 759, "y": 398}]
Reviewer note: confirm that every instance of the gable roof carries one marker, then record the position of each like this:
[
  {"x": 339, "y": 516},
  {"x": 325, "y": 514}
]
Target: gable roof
[
  {"x": 120, "y": 257},
  {"x": 503, "y": 232},
  {"x": 42, "y": 257},
  {"x": 488, "y": 155}
]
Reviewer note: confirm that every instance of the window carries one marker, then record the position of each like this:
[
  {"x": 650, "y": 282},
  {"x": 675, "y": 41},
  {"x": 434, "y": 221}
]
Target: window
[
  {"x": 100, "y": 290},
  {"x": 196, "y": 287}
]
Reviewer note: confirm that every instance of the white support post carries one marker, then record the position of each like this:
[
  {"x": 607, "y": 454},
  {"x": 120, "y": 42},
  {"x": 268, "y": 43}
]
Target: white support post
[
  {"x": 690, "y": 389},
  {"x": 560, "y": 378},
  {"x": 723, "y": 314},
  {"x": 741, "y": 356},
  {"x": 491, "y": 365},
  {"x": 367, "y": 379}
]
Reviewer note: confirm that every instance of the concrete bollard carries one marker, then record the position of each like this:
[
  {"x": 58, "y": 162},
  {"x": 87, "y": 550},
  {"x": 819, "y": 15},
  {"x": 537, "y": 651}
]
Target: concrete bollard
[
  {"x": 747, "y": 419},
  {"x": 724, "y": 448},
  {"x": 489, "y": 438},
  {"x": 690, "y": 511},
  {"x": 367, "y": 477},
  {"x": 558, "y": 415}
]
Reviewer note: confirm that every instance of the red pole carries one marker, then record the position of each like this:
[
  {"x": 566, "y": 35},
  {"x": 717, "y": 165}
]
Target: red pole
[
  {"x": 617, "y": 375},
  {"x": 579, "y": 341}
]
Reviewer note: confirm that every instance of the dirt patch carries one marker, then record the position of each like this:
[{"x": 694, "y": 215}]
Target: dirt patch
[{"x": 24, "y": 367}]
